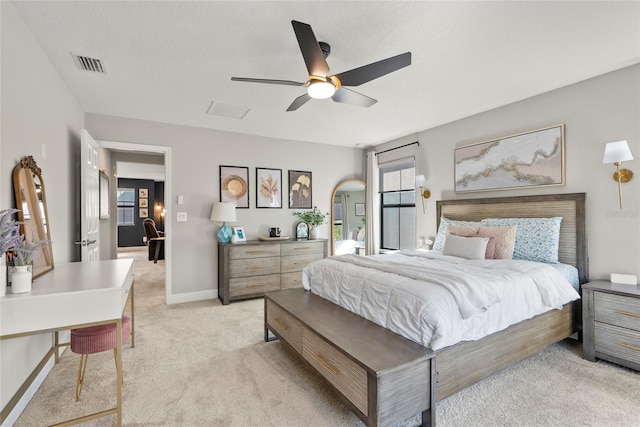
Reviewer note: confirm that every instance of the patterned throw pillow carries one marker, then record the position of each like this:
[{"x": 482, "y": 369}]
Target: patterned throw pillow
[
  {"x": 442, "y": 230},
  {"x": 537, "y": 239},
  {"x": 505, "y": 238}
]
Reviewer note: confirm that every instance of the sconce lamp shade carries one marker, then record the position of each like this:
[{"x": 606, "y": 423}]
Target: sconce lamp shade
[
  {"x": 617, "y": 152},
  {"x": 224, "y": 212},
  {"x": 420, "y": 181}
]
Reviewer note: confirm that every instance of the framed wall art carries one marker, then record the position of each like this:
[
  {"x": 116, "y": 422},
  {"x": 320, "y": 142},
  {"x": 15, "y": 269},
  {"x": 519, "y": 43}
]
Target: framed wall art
[
  {"x": 144, "y": 213},
  {"x": 359, "y": 209},
  {"x": 143, "y": 192},
  {"x": 529, "y": 159},
  {"x": 268, "y": 188},
  {"x": 300, "y": 189},
  {"x": 144, "y": 203},
  {"x": 234, "y": 185}
]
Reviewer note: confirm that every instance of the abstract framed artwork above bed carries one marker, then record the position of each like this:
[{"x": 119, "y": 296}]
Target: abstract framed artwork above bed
[{"x": 529, "y": 159}]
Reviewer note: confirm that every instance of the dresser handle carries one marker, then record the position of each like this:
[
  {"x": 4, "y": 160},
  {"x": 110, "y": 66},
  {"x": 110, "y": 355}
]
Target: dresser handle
[
  {"x": 284, "y": 327},
  {"x": 255, "y": 252},
  {"x": 326, "y": 364},
  {"x": 627, "y": 313},
  {"x": 299, "y": 248},
  {"x": 630, "y": 347}
]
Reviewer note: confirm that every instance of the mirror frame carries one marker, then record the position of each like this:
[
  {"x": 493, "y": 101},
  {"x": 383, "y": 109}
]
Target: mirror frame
[
  {"x": 333, "y": 196},
  {"x": 31, "y": 170}
]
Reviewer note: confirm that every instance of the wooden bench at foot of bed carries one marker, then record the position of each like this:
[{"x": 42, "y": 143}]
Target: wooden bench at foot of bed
[{"x": 383, "y": 377}]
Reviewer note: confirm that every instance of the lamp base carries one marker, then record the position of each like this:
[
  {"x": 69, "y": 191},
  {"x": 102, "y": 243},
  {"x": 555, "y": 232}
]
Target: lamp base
[{"x": 224, "y": 234}]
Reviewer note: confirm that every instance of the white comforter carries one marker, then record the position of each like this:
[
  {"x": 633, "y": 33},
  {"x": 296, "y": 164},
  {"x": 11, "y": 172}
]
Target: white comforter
[{"x": 439, "y": 300}]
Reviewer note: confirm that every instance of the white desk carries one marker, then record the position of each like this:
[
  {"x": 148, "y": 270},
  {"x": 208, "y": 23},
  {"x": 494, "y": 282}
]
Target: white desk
[{"x": 70, "y": 296}]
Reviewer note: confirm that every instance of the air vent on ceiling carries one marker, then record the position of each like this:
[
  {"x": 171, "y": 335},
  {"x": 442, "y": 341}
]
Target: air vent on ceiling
[
  {"x": 89, "y": 64},
  {"x": 227, "y": 110}
]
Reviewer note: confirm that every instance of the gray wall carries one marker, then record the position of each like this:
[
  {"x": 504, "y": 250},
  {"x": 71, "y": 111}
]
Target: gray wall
[
  {"x": 196, "y": 155},
  {"x": 36, "y": 108},
  {"x": 596, "y": 111}
]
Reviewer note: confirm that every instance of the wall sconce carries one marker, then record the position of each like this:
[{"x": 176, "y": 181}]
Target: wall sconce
[
  {"x": 425, "y": 194},
  {"x": 616, "y": 153},
  {"x": 224, "y": 212}
]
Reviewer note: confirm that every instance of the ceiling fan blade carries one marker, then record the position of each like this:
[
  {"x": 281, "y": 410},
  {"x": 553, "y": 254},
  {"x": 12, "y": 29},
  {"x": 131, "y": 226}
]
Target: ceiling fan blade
[
  {"x": 369, "y": 72},
  {"x": 299, "y": 102},
  {"x": 269, "y": 81},
  {"x": 348, "y": 96},
  {"x": 311, "y": 52}
]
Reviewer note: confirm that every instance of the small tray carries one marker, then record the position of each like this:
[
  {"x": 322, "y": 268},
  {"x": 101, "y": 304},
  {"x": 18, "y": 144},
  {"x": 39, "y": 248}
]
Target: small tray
[{"x": 273, "y": 238}]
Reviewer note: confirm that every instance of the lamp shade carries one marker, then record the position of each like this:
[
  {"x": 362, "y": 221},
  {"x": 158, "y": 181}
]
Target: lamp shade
[
  {"x": 617, "y": 152},
  {"x": 420, "y": 181},
  {"x": 223, "y": 212}
]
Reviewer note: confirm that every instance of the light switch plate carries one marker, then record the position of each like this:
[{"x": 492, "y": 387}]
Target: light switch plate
[{"x": 182, "y": 217}]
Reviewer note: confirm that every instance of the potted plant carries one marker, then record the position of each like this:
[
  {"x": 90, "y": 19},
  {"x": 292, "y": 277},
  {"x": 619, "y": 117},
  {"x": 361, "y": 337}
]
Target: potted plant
[
  {"x": 9, "y": 238},
  {"x": 24, "y": 252},
  {"x": 313, "y": 218}
]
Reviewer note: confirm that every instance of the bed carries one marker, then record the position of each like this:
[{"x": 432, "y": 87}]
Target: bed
[{"x": 467, "y": 362}]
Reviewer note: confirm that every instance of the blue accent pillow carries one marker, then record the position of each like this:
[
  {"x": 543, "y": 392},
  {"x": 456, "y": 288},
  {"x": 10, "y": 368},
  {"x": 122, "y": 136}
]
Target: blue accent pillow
[
  {"x": 442, "y": 230},
  {"x": 537, "y": 239}
]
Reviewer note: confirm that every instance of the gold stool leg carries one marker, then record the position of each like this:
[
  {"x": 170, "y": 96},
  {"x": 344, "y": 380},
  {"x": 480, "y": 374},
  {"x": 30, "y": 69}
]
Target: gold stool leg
[{"x": 81, "y": 370}]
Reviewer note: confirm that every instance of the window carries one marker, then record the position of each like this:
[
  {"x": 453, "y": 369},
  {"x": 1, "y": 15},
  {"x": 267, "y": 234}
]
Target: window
[
  {"x": 126, "y": 206},
  {"x": 398, "y": 202},
  {"x": 337, "y": 218}
]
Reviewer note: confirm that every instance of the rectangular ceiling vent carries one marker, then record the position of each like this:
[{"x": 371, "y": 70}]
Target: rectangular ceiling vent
[{"x": 89, "y": 64}]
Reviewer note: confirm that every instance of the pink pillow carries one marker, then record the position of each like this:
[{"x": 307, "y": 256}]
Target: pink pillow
[
  {"x": 472, "y": 231},
  {"x": 505, "y": 240}
]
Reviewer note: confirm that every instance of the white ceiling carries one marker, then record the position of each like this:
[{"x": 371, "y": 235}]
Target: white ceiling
[{"x": 167, "y": 61}]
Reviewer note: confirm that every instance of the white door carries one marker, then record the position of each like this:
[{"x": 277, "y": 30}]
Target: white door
[{"x": 89, "y": 198}]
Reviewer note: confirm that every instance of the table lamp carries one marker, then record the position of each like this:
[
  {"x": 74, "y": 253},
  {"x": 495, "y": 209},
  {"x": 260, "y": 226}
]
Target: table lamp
[{"x": 224, "y": 212}]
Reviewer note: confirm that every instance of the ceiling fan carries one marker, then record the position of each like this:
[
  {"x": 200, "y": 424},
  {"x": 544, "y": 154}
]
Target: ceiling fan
[{"x": 320, "y": 84}]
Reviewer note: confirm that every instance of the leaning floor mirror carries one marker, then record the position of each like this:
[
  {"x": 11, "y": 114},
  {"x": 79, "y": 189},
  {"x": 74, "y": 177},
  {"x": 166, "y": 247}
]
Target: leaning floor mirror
[{"x": 31, "y": 203}]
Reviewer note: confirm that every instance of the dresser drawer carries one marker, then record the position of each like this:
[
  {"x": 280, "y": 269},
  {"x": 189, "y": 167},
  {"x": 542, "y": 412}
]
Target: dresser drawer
[
  {"x": 286, "y": 326},
  {"x": 618, "y": 342},
  {"x": 253, "y": 267},
  {"x": 255, "y": 285},
  {"x": 303, "y": 248},
  {"x": 254, "y": 251},
  {"x": 345, "y": 374},
  {"x": 617, "y": 310},
  {"x": 291, "y": 280},
  {"x": 293, "y": 263}
]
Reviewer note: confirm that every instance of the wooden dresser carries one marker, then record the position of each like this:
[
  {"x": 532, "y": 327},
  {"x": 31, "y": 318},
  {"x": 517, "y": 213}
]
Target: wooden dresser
[
  {"x": 611, "y": 322},
  {"x": 249, "y": 269}
]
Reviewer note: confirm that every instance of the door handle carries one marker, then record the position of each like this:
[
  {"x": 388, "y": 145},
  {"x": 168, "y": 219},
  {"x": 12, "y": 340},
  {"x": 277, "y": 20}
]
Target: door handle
[{"x": 91, "y": 242}]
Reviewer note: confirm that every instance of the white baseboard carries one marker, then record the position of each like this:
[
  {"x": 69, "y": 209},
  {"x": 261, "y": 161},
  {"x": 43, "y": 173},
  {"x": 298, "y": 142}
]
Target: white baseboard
[{"x": 192, "y": 297}]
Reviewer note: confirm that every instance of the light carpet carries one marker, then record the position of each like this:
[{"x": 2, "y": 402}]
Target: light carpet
[{"x": 205, "y": 364}]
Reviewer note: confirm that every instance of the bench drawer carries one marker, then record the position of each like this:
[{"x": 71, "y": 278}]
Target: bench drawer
[
  {"x": 286, "y": 326},
  {"x": 341, "y": 371},
  {"x": 256, "y": 285}
]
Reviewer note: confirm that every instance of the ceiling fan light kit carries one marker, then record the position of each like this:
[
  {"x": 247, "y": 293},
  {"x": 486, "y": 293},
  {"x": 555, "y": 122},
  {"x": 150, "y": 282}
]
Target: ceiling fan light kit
[{"x": 320, "y": 84}]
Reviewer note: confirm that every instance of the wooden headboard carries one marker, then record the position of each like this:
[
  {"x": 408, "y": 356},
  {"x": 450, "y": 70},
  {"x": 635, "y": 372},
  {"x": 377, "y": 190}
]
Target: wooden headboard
[{"x": 571, "y": 207}]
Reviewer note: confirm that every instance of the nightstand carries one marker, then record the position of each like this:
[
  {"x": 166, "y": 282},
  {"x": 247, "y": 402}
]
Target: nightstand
[{"x": 611, "y": 323}]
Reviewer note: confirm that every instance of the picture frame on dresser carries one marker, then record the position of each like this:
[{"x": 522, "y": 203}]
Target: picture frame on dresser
[{"x": 240, "y": 234}]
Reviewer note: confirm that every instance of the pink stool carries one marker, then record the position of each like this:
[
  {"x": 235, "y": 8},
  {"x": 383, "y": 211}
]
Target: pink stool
[{"x": 94, "y": 339}]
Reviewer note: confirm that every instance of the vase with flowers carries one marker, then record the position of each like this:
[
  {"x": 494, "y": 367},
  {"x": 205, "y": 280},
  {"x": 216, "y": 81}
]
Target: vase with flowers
[
  {"x": 23, "y": 254},
  {"x": 9, "y": 238},
  {"x": 314, "y": 218}
]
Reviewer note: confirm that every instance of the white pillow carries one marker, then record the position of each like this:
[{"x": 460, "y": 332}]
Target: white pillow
[{"x": 465, "y": 247}]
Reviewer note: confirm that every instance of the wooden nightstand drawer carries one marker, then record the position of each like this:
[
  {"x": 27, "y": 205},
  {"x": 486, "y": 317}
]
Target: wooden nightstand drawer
[
  {"x": 254, "y": 251},
  {"x": 256, "y": 285},
  {"x": 303, "y": 248},
  {"x": 618, "y": 342},
  {"x": 345, "y": 375},
  {"x": 253, "y": 267},
  {"x": 285, "y": 325},
  {"x": 617, "y": 310}
]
